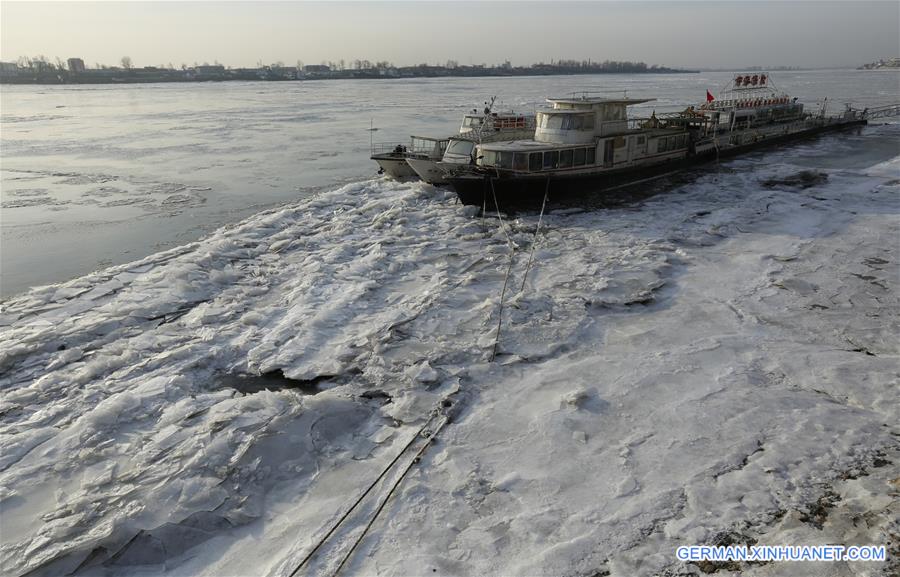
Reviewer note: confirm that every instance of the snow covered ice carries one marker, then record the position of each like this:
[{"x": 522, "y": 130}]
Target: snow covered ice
[{"x": 715, "y": 363}]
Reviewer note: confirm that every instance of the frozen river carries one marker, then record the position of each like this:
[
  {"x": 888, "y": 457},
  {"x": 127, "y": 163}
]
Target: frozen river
[
  {"x": 713, "y": 362},
  {"x": 98, "y": 175}
]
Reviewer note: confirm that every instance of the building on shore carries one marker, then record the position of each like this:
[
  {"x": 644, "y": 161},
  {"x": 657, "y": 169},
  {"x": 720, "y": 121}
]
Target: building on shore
[
  {"x": 76, "y": 65},
  {"x": 208, "y": 72},
  {"x": 316, "y": 70},
  {"x": 9, "y": 70}
]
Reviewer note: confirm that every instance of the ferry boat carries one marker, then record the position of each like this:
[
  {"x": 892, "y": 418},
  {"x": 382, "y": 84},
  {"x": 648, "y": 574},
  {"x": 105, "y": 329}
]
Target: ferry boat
[
  {"x": 393, "y": 159},
  {"x": 588, "y": 144},
  {"x": 422, "y": 155},
  {"x": 460, "y": 150},
  {"x": 433, "y": 171}
]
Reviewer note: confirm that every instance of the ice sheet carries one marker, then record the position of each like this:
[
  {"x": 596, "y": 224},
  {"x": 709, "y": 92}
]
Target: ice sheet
[{"x": 711, "y": 361}]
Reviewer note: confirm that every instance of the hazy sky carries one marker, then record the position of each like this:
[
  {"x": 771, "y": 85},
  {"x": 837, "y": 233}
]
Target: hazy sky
[{"x": 703, "y": 34}]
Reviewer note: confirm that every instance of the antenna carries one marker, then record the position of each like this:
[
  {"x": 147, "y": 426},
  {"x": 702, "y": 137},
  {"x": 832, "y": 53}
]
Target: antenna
[{"x": 485, "y": 118}]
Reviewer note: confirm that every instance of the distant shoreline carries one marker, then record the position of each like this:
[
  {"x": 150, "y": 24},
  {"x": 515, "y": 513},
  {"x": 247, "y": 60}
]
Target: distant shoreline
[{"x": 88, "y": 78}]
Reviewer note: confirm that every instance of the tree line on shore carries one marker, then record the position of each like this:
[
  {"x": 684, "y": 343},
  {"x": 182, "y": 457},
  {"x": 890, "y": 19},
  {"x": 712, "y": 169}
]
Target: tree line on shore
[{"x": 43, "y": 70}]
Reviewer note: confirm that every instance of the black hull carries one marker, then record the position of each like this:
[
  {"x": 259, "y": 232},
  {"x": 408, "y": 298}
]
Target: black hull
[{"x": 527, "y": 191}]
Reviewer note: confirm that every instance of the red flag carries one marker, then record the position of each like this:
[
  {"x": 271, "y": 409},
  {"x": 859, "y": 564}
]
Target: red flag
[{"x": 709, "y": 97}]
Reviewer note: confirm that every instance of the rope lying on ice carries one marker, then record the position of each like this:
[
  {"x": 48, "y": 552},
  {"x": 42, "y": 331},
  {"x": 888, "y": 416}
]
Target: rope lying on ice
[
  {"x": 365, "y": 493},
  {"x": 396, "y": 484},
  {"x": 445, "y": 408}
]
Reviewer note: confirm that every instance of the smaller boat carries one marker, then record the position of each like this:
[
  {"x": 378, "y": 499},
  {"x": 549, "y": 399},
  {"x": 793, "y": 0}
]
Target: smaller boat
[
  {"x": 490, "y": 127},
  {"x": 460, "y": 151},
  {"x": 392, "y": 158},
  {"x": 422, "y": 156}
]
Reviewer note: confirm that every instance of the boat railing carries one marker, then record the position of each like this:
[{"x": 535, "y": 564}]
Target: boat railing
[
  {"x": 495, "y": 127},
  {"x": 518, "y": 122},
  {"x": 588, "y": 94},
  {"x": 880, "y": 111},
  {"x": 386, "y": 147},
  {"x": 419, "y": 145},
  {"x": 631, "y": 124}
]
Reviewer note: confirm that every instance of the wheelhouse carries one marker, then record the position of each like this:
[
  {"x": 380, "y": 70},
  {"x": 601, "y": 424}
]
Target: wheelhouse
[
  {"x": 428, "y": 147},
  {"x": 471, "y": 123},
  {"x": 459, "y": 151}
]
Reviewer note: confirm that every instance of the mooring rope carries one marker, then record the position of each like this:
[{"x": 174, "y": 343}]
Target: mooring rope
[
  {"x": 535, "y": 239},
  {"x": 359, "y": 500},
  {"x": 483, "y": 204},
  {"x": 500, "y": 217},
  {"x": 500, "y": 311},
  {"x": 505, "y": 279},
  {"x": 396, "y": 484}
]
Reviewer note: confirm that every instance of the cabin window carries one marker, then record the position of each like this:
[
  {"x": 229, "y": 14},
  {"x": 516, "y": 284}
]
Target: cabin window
[
  {"x": 661, "y": 145},
  {"x": 578, "y": 159},
  {"x": 535, "y": 161},
  {"x": 614, "y": 112},
  {"x": 620, "y": 141},
  {"x": 566, "y": 121},
  {"x": 462, "y": 147},
  {"x": 551, "y": 159},
  {"x": 640, "y": 140},
  {"x": 680, "y": 142},
  {"x": 506, "y": 159},
  {"x": 579, "y": 122},
  {"x": 472, "y": 121},
  {"x": 565, "y": 158},
  {"x": 551, "y": 121},
  {"x": 589, "y": 155},
  {"x": 489, "y": 158},
  {"x": 520, "y": 162}
]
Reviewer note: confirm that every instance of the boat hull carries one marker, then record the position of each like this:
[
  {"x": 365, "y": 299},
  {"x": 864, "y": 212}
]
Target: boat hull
[
  {"x": 427, "y": 170},
  {"x": 507, "y": 191},
  {"x": 394, "y": 166}
]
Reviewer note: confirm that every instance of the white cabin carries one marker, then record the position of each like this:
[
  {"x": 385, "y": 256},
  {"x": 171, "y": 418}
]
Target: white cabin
[
  {"x": 579, "y": 120},
  {"x": 583, "y": 132}
]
